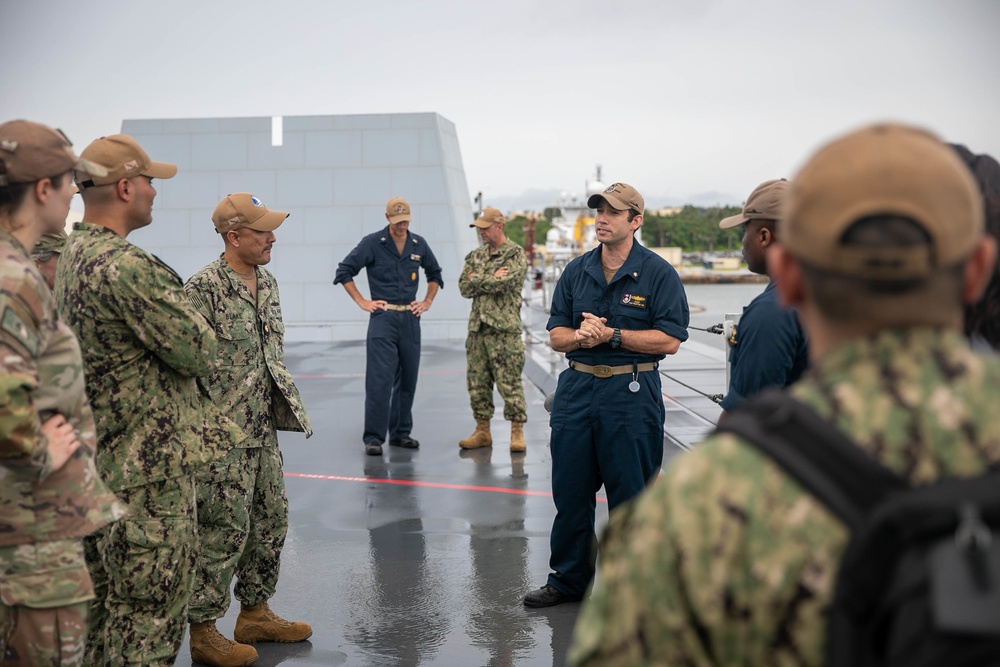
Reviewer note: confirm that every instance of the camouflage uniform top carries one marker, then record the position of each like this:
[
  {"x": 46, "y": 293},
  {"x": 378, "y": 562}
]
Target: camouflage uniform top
[
  {"x": 496, "y": 302},
  {"x": 727, "y": 560},
  {"x": 41, "y": 374},
  {"x": 143, "y": 344},
  {"x": 249, "y": 381}
]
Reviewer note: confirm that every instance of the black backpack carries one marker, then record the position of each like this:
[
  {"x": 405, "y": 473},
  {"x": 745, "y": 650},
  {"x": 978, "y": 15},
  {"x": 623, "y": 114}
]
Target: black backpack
[{"x": 919, "y": 581}]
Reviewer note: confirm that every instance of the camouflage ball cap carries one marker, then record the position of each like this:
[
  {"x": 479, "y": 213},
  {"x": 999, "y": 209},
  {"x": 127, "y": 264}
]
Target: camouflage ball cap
[
  {"x": 31, "y": 151},
  {"x": 398, "y": 210},
  {"x": 621, "y": 196},
  {"x": 488, "y": 218},
  {"x": 122, "y": 157},
  {"x": 764, "y": 203},
  {"x": 243, "y": 209},
  {"x": 885, "y": 169}
]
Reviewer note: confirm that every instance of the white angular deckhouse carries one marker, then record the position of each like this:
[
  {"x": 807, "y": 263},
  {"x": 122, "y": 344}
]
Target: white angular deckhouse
[{"x": 333, "y": 174}]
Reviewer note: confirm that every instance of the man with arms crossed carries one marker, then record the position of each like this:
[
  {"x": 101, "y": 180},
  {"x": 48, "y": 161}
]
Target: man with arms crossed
[{"x": 493, "y": 277}]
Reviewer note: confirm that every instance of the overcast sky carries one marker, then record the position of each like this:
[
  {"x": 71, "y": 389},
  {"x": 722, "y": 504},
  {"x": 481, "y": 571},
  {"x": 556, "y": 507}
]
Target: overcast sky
[{"x": 688, "y": 100}]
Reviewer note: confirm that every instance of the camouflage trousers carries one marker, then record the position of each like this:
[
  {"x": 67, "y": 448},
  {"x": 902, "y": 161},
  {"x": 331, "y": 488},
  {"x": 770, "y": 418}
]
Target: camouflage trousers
[
  {"x": 242, "y": 522},
  {"x": 45, "y": 590},
  {"x": 142, "y": 575},
  {"x": 495, "y": 358},
  {"x": 54, "y": 637}
]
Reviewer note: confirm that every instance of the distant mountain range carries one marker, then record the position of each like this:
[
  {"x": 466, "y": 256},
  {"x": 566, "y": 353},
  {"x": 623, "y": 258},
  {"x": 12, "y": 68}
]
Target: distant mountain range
[{"x": 539, "y": 200}]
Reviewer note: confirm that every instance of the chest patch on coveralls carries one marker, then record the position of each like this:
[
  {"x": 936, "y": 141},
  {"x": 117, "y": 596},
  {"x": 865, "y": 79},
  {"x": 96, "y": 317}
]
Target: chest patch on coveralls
[
  {"x": 414, "y": 257},
  {"x": 635, "y": 300}
]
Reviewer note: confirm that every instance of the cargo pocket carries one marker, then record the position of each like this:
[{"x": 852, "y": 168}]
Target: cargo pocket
[
  {"x": 646, "y": 416},
  {"x": 143, "y": 560},
  {"x": 45, "y": 574},
  {"x": 237, "y": 341}
]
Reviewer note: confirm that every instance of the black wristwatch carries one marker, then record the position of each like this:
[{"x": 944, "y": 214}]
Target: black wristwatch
[{"x": 616, "y": 338}]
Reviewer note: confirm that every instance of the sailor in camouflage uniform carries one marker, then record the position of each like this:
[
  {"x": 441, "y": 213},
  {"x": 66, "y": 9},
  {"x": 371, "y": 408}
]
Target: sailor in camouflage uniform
[
  {"x": 727, "y": 560},
  {"x": 493, "y": 277},
  {"x": 242, "y": 507},
  {"x": 143, "y": 345},
  {"x": 50, "y": 494}
]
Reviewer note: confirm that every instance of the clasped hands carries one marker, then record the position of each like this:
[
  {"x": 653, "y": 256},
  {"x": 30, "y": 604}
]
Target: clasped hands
[{"x": 592, "y": 331}]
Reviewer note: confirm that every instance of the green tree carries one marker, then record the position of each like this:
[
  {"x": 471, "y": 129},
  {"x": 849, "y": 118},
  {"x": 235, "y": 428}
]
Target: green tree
[
  {"x": 515, "y": 229},
  {"x": 693, "y": 229}
]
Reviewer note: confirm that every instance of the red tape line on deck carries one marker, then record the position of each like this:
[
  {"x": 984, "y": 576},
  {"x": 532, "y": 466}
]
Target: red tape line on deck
[{"x": 433, "y": 485}]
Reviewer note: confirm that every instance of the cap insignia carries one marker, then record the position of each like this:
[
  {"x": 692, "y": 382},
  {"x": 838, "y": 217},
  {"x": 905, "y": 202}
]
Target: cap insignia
[{"x": 256, "y": 202}]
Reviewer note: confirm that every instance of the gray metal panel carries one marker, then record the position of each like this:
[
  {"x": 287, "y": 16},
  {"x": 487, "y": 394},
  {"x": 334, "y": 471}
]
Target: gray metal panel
[
  {"x": 188, "y": 190},
  {"x": 219, "y": 151},
  {"x": 363, "y": 122},
  {"x": 359, "y": 187},
  {"x": 332, "y": 149},
  {"x": 305, "y": 187},
  {"x": 289, "y": 155},
  {"x": 390, "y": 148},
  {"x": 263, "y": 183}
]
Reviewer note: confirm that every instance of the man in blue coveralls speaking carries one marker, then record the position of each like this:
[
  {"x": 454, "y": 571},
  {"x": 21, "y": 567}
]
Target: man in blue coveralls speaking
[
  {"x": 393, "y": 257},
  {"x": 616, "y": 312}
]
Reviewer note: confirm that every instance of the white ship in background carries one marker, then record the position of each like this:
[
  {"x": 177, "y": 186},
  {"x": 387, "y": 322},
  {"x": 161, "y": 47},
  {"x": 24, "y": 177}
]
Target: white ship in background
[{"x": 572, "y": 232}]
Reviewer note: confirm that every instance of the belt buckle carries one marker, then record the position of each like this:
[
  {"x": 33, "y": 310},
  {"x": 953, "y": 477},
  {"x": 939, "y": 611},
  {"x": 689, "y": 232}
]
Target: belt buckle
[{"x": 602, "y": 371}]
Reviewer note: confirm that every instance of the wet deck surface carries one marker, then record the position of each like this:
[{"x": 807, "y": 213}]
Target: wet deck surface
[{"x": 422, "y": 557}]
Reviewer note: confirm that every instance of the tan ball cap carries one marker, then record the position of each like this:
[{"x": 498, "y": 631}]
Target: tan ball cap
[
  {"x": 398, "y": 210},
  {"x": 621, "y": 196},
  {"x": 31, "y": 151},
  {"x": 243, "y": 209},
  {"x": 123, "y": 157},
  {"x": 489, "y": 217},
  {"x": 884, "y": 169},
  {"x": 764, "y": 203}
]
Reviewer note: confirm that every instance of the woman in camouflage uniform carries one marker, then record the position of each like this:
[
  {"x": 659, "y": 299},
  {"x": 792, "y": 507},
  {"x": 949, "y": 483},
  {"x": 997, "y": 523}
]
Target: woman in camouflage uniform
[{"x": 50, "y": 495}]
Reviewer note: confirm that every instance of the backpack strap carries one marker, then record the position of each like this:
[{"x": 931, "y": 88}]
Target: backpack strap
[
  {"x": 815, "y": 452},
  {"x": 885, "y": 591}
]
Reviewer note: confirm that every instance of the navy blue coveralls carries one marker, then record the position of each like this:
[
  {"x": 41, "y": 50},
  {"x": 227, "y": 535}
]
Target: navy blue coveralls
[
  {"x": 770, "y": 350},
  {"x": 602, "y": 433},
  {"x": 393, "y": 343}
]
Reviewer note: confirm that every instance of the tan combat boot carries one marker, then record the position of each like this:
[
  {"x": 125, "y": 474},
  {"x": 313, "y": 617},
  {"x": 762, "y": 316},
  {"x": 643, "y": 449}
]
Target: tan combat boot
[
  {"x": 480, "y": 437},
  {"x": 517, "y": 437},
  {"x": 259, "y": 624},
  {"x": 211, "y": 648}
]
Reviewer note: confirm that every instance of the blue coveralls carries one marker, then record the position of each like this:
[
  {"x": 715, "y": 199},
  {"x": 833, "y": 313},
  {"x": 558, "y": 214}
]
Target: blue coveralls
[
  {"x": 770, "y": 350},
  {"x": 393, "y": 344},
  {"x": 602, "y": 433}
]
